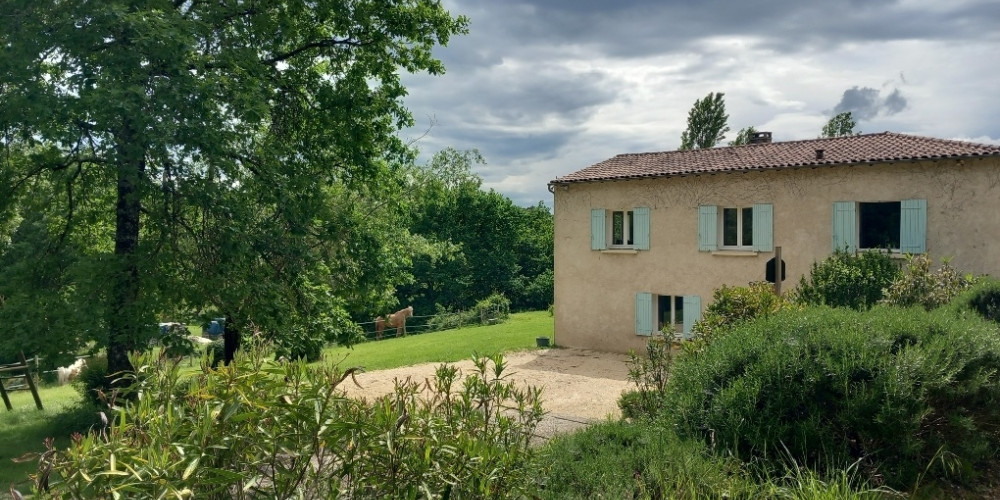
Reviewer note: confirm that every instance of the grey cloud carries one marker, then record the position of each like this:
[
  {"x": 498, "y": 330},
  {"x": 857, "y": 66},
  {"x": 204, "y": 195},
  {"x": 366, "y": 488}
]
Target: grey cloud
[{"x": 865, "y": 103}]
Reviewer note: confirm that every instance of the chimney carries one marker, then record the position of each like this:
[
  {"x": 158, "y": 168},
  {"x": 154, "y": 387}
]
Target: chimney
[
  {"x": 759, "y": 138},
  {"x": 819, "y": 154}
]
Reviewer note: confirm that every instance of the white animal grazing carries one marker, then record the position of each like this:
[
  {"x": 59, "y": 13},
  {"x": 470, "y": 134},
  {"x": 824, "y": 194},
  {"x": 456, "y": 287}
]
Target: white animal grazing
[{"x": 68, "y": 373}]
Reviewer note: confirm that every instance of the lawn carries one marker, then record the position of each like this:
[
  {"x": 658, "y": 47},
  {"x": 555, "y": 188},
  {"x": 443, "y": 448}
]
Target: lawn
[
  {"x": 518, "y": 333},
  {"x": 23, "y": 429}
]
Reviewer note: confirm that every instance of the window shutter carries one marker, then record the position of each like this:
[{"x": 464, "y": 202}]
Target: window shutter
[
  {"x": 763, "y": 237},
  {"x": 692, "y": 313},
  {"x": 913, "y": 226},
  {"x": 708, "y": 233},
  {"x": 640, "y": 217},
  {"x": 598, "y": 233},
  {"x": 644, "y": 314},
  {"x": 845, "y": 226}
]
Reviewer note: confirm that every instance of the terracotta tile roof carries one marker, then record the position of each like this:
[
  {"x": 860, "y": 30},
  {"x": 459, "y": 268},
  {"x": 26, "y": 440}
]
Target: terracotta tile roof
[{"x": 868, "y": 148}]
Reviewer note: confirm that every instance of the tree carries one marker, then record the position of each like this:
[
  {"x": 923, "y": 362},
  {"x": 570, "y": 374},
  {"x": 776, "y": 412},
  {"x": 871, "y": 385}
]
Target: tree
[
  {"x": 840, "y": 125},
  {"x": 706, "y": 125},
  {"x": 743, "y": 136},
  {"x": 197, "y": 114}
]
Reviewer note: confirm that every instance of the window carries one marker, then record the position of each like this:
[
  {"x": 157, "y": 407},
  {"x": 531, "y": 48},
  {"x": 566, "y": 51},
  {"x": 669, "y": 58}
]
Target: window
[
  {"x": 878, "y": 225},
  {"x": 619, "y": 229},
  {"x": 656, "y": 311},
  {"x": 622, "y": 228},
  {"x": 893, "y": 225},
  {"x": 737, "y": 228}
]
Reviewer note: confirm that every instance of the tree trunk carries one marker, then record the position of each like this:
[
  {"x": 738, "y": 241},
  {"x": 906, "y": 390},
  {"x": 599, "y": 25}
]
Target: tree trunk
[
  {"x": 230, "y": 339},
  {"x": 125, "y": 321}
]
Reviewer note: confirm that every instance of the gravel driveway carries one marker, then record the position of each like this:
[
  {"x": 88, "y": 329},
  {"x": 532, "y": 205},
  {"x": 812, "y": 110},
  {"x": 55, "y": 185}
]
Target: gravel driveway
[{"x": 578, "y": 386}]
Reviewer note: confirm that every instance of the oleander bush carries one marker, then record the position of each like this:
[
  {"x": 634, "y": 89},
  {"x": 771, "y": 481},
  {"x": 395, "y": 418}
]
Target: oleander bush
[
  {"x": 259, "y": 428},
  {"x": 732, "y": 305},
  {"x": 903, "y": 392},
  {"x": 854, "y": 280},
  {"x": 920, "y": 285}
]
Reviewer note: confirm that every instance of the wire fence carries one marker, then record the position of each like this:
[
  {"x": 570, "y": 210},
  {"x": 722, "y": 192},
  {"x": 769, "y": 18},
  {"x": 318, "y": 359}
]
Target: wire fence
[{"x": 416, "y": 325}]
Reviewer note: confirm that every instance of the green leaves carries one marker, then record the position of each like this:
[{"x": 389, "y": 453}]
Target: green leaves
[{"x": 706, "y": 123}]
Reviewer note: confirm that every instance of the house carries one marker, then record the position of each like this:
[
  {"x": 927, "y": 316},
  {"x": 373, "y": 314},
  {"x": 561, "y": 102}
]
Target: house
[{"x": 643, "y": 240}]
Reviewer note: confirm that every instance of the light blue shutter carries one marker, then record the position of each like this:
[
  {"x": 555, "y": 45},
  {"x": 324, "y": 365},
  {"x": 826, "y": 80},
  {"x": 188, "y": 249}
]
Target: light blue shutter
[
  {"x": 763, "y": 233},
  {"x": 845, "y": 226},
  {"x": 598, "y": 233},
  {"x": 644, "y": 313},
  {"x": 692, "y": 313},
  {"x": 708, "y": 233},
  {"x": 640, "y": 220},
  {"x": 913, "y": 226}
]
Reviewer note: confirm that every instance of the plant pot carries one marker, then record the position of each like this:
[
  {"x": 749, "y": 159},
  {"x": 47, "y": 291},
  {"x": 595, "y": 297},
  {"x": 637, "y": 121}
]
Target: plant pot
[{"x": 542, "y": 341}]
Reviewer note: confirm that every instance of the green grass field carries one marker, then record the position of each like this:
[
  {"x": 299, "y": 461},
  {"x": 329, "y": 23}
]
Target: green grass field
[{"x": 24, "y": 429}]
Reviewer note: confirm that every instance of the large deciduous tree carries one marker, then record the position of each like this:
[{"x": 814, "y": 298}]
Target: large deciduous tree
[
  {"x": 220, "y": 129},
  {"x": 840, "y": 125},
  {"x": 706, "y": 123}
]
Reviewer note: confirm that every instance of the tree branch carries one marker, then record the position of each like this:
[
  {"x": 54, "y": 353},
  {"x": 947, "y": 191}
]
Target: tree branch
[{"x": 321, "y": 44}]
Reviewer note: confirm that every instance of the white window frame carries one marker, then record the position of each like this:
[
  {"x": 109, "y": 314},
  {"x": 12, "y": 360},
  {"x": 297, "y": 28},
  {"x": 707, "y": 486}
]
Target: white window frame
[
  {"x": 628, "y": 229},
  {"x": 739, "y": 228}
]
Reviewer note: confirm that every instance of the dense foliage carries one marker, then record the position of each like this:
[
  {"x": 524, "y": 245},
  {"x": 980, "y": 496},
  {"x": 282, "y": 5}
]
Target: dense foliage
[
  {"x": 903, "y": 391},
  {"x": 258, "y": 429},
  {"x": 844, "y": 279},
  {"x": 732, "y": 305},
  {"x": 213, "y": 155},
  {"x": 706, "y": 122},
  {"x": 923, "y": 286}
]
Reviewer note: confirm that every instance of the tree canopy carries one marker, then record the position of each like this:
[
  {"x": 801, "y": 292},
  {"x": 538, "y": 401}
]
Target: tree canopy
[
  {"x": 743, "y": 136},
  {"x": 706, "y": 123},
  {"x": 212, "y": 153},
  {"x": 840, "y": 125}
]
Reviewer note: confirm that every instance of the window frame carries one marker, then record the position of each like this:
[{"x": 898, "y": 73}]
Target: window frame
[
  {"x": 628, "y": 227},
  {"x": 741, "y": 231}
]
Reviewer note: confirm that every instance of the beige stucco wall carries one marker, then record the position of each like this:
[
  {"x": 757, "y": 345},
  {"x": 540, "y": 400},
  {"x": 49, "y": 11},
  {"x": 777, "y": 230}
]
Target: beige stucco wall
[{"x": 595, "y": 291}]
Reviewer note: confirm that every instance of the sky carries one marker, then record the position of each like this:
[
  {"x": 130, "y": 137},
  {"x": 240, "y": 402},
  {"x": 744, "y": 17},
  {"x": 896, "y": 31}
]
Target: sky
[{"x": 543, "y": 88}]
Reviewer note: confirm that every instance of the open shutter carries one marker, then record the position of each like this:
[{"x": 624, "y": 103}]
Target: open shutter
[
  {"x": 692, "y": 313},
  {"x": 763, "y": 237},
  {"x": 845, "y": 226},
  {"x": 913, "y": 226},
  {"x": 708, "y": 233},
  {"x": 640, "y": 221},
  {"x": 598, "y": 233},
  {"x": 644, "y": 314}
]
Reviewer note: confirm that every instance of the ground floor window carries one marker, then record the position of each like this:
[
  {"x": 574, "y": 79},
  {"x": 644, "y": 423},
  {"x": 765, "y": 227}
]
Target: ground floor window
[
  {"x": 670, "y": 312},
  {"x": 675, "y": 313},
  {"x": 878, "y": 225}
]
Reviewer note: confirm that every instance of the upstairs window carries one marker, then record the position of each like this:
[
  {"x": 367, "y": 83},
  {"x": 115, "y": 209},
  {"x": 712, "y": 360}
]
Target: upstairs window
[
  {"x": 892, "y": 225},
  {"x": 737, "y": 228},
  {"x": 619, "y": 229},
  {"x": 622, "y": 228},
  {"x": 878, "y": 225}
]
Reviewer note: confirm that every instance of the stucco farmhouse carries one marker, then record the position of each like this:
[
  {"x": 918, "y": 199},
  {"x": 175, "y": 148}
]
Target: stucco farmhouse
[{"x": 642, "y": 240}]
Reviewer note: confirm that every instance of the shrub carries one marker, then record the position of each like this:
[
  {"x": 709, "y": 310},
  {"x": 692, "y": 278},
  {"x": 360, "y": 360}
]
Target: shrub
[
  {"x": 262, "y": 429},
  {"x": 649, "y": 374},
  {"x": 638, "y": 460},
  {"x": 215, "y": 353},
  {"x": 983, "y": 298},
  {"x": 93, "y": 380},
  {"x": 733, "y": 305},
  {"x": 919, "y": 285},
  {"x": 306, "y": 338},
  {"x": 444, "y": 319},
  {"x": 855, "y": 280},
  {"x": 493, "y": 309},
  {"x": 896, "y": 389}
]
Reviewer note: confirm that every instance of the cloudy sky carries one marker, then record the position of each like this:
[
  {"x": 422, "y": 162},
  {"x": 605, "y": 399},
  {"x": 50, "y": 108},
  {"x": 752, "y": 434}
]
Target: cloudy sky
[{"x": 546, "y": 87}]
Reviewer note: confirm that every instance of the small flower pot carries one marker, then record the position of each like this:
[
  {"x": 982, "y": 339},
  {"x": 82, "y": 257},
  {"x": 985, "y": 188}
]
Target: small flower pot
[{"x": 542, "y": 341}]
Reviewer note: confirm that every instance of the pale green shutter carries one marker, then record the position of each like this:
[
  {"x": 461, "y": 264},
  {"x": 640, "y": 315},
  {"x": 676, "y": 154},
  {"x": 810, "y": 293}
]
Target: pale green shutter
[
  {"x": 644, "y": 313},
  {"x": 598, "y": 233},
  {"x": 913, "y": 226},
  {"x": 763, "y": 234},
  {"x": 708, "y": 233},
  {"x": 845, "y": 226},
  {"x": 692, "y": 313},
  {"x": 640, "y": 220}
]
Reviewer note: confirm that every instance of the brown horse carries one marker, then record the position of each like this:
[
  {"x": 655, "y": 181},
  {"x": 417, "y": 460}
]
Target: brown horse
[
  {"x": 398, "y": 320},
  {"x": 379, "y": 327}
]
